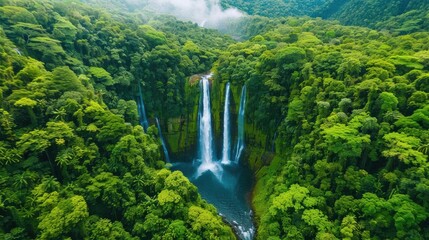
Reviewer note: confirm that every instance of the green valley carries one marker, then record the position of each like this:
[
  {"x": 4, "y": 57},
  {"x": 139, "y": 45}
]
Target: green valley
[{"x": 336, "y": 120}]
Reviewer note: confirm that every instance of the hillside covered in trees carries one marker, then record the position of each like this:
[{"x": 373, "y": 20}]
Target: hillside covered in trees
[
  {"x": 74, "y": 161},
  {"x": 347, "y": 112},
  {"x": 399, "y": 17},
  {"x": 337, "y": 120},
  {"x": 277, "y": 8}
]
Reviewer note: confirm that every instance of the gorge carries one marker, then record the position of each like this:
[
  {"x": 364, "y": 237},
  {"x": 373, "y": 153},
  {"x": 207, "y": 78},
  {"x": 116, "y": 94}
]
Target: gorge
[
  {"x": 224, "y": 182},
  {"x": 111, "y": 128}
]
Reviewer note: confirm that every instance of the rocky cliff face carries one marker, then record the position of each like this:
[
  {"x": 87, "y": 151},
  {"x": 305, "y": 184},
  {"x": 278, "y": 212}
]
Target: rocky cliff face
[{"x": 181, "y": 133}]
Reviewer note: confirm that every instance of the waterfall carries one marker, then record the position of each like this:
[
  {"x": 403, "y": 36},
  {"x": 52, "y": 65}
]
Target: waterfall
[
  {"x": 142, "y": 111},
  {"x": 240, "y": 137},
  {"x": 222, "y": 182},
  {"x": 226, "y": 149},
  {"x": 205, "y": 131},
  {"x": 164, "y": 147},
  {"x": 273, "y": 143}
]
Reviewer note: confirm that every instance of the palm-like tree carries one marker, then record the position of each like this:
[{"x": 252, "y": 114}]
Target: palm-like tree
[
  {"x": 20, "y": 181},
  {"x": 65, "y": 157},
  {"x": 424, "y": 149},
  {"x": 60, "y": 113},
  {"x": 50, "y": 184},
  {"x": 8, "y": 156},
  {"x": 139, "y": 181}
]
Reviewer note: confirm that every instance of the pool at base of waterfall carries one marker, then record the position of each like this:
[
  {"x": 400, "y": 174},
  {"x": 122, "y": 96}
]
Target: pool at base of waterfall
[{"x": 228, "y": 188}]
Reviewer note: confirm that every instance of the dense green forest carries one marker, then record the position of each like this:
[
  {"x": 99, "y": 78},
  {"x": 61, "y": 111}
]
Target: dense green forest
[
  {"x": 349, "y": 111},
  {"x": 403, "y": 16},
  {"x": 277, "y": 8},
  {"x": 74, "y": 161},
  {"x": 399, "y": 17},
  {"x": 337, "y": 120}
]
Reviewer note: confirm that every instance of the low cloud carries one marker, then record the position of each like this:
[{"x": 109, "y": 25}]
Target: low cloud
[{"x": 206, "y": 13}]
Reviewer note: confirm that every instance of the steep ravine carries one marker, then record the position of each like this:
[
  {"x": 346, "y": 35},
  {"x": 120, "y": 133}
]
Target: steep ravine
[{"x": 181, "y": 135}]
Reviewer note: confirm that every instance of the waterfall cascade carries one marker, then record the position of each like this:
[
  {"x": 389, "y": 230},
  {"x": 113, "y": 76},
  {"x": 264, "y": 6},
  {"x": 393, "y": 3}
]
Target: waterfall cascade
[
  {"x": 142, "y": 112},
  {"x": 222, "y": 182},
  {"x": 226, "y": 147},
  {"x": 240, "y": 137},
  {"x": 164, "y": 147},
  {"x": 205, "y": 131},
  {"x": 205, "y": 143}
]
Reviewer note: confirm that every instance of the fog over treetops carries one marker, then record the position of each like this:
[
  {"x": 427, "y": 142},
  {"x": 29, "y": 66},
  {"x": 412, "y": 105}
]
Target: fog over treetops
[{"x": 206, "y": 13}]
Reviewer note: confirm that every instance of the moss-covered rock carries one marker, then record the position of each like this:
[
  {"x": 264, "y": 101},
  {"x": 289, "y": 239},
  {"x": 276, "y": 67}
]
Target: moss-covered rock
[{"x": 181, "y": 133}]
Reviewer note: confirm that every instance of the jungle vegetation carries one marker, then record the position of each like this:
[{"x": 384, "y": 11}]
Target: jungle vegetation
[
  {"x": 337, "y": 123},
  {"x": 398, "y": 17},
  {"x": 75, "y": 164},
  {"x": 347, "y": 111}
]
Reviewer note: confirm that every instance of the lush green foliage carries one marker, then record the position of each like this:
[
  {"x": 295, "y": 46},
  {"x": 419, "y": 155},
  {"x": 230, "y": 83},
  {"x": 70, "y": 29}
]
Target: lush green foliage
[
  {"x": 276, "y": 8},
  {"x": 348, "y": 108},
  {"x": 403, "y": 16},
  {"x": 399, "y": 17},
  {"x": 74, "y": 162}
]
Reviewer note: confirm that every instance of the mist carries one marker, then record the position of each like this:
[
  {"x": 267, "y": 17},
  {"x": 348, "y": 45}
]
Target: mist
[{"x": 206, "y": 13}]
